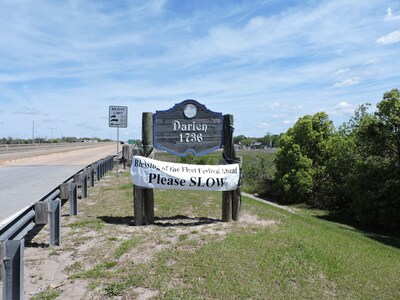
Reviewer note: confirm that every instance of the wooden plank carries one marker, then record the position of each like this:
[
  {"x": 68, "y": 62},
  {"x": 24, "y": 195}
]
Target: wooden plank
[
  {"x": 138, "y": 206},
  {"x": 226, "y": 206},
  {"x": 149, "y": 206}
]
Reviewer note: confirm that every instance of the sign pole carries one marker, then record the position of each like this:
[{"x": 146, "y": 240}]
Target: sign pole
[
  {"x": 117, "y": 148},
  {"x": 118, "y": 117}
]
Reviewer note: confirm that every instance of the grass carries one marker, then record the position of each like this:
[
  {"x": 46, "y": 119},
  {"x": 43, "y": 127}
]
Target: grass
[
  {"x": 47, "y": 294},
  {"x": 126, "y": 246},
  {"x": 88, "y": 223},
  {"x": 270, "y": 254},
  {"x": 100, "y": 270}
]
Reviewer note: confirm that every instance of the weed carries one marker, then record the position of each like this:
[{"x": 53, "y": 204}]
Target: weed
[
  {"x": 100, "y": 270},
  {"x": 114, "y": 289},
  {"x": 126, "y": 246},
  {"x": 47, "y": 294},
  {"x": 75, "y": 267},
  {"x": 92, "y": 223}
]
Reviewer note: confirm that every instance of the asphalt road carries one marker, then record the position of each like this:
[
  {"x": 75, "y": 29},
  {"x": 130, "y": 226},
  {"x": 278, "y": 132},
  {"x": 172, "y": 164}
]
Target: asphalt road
[{"x": 26, "y": 181}]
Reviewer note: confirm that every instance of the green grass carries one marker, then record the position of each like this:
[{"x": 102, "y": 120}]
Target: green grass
[
  {"x": 88, "y": 223},
  {"x": 297, "y": 256},
  {"x": 47, "y": 294},
  {"x": 100, "y": 270},
  {"x": 302, "y": 258},
  {"x": 126, "y": 246}
]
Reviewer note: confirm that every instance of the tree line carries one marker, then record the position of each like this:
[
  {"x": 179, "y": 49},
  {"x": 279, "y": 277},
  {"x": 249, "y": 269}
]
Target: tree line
[
  {"x": 270, "y": 140},
  {"x": 354, "y": 168}
]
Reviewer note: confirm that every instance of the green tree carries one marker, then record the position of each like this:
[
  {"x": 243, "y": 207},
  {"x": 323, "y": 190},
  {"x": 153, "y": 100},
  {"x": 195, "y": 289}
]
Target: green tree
[
  {"x": 238, "y": 139},
  {"x": 270, "y": 140},
  {"x": 294, "y": 174},
  {"x": 247, "y": 141},
  {"x": 339, "y": 158},
  {"x": 376, "y": 179},
  {"x": 299, "y": 161}
]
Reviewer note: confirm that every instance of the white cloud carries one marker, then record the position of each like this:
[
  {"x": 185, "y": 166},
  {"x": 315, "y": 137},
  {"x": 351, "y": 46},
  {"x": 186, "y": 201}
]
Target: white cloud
[
  {"x": 347, "y": 82},
  {"x": 390, "y": 17},
  {"x": 275, "y": 105},
  {"x": 369, "y": 62},
  {"x": 343, "y": 108},
  {"x": 341, "y": 71},
  {"x": 28, "y": 111},
  {"x": 390, "y": 38},
  {"x": 343, "y": 104},
  {"x": 297, "y": 108},
  {"x": 262, "y": 125}
]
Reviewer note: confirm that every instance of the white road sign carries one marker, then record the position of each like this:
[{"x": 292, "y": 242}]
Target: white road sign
[{"x": 118, "y": 116}]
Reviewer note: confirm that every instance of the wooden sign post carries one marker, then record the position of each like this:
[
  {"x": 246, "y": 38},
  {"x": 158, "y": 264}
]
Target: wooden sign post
[
  {"x": 231, "y": 200},
  {"x": 188, "y": 127},
  {"x": 144, "y": 198}
]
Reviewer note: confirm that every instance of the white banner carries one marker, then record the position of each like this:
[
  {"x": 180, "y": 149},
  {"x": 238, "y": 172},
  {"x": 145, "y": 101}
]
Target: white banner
[{"x": 151, "y": 173}]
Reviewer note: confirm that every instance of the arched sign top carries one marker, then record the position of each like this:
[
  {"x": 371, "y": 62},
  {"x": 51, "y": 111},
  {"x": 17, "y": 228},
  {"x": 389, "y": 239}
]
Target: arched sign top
[{"x": 187, "y": 127}]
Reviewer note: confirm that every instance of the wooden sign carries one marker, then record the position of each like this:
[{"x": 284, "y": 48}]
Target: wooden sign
[{"x": 188, "y": 127}]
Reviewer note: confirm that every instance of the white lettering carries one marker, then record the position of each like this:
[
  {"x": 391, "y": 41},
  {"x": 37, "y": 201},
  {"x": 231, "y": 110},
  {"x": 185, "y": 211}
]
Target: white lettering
[{"x": 178, "y": 126}]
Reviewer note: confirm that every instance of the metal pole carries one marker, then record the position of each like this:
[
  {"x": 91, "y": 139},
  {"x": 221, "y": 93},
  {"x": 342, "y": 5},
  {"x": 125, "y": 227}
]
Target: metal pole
[
  {"x": 33, "y": 131},
  {"x": 12, "y": 268},
  {"x": 55, "y": 222},
  {"x": 117, "y": 147}
]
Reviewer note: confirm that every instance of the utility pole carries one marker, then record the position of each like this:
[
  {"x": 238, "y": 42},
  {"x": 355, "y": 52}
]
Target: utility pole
[{"x": 33, "y": 131}]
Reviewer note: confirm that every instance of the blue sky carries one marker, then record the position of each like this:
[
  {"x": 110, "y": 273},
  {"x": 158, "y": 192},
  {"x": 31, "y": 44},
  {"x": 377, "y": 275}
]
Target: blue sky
[{"x": 267, "y": 62}]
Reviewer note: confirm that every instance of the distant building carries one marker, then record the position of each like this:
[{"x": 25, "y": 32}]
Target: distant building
[{"x": 257, "y": 145}]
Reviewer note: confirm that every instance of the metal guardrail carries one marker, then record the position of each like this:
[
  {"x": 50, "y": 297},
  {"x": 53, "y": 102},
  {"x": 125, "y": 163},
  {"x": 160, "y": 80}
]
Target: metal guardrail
[{"x": 46, "y": 210}]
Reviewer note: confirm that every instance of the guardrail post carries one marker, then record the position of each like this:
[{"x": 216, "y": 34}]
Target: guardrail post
[
  {"x": 106, "y": 164},
  {"x": 78, "y": 179},
  {"x": 73, "y": 199},
  {"x": 64, "y": 191},
  {"x": 112, "y": 162},
  {"x": 91, "y": 172},
  {"x": 55, "y": 222},
  {"x": 126, "y": 155},
  {"x": 41, "y": 213},
  {"x": 84, "y": 185},
  {"x": 12, "y": 268},
  {"x": 100, "y": 169},
  {"x": 103, "y": 168},
  {"x": 97, "y": 171}
]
